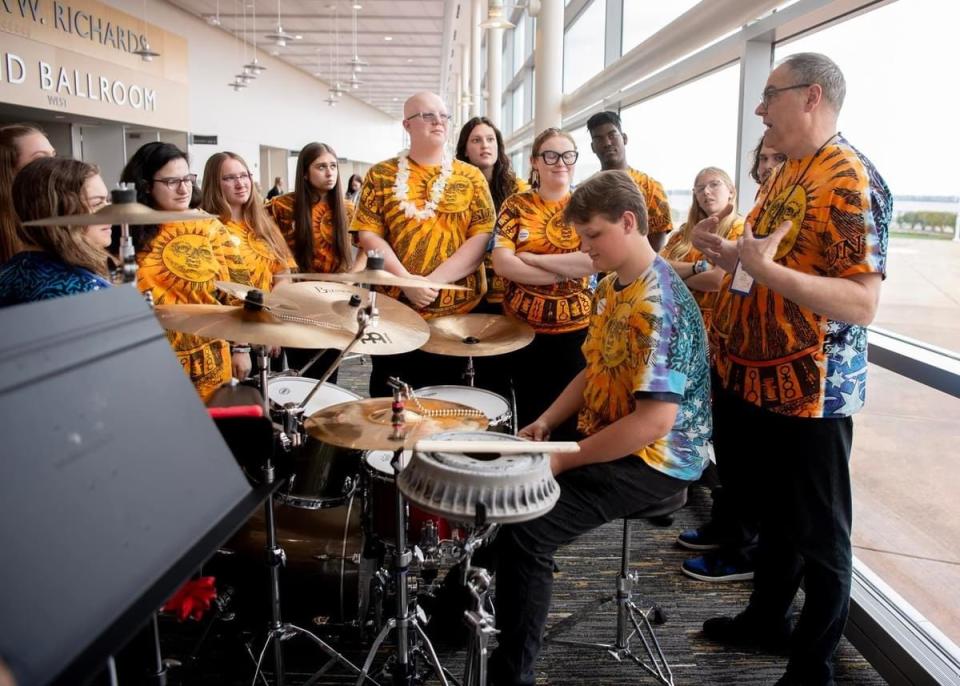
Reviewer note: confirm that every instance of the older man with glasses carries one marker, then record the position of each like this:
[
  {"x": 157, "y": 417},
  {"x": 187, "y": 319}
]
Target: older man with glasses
[
  {"x": 429, "y": 215},
  {"x": 789, "y": 346}
]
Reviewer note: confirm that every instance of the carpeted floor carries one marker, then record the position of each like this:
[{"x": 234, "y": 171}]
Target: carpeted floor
[{"x": 587, "y": 568}]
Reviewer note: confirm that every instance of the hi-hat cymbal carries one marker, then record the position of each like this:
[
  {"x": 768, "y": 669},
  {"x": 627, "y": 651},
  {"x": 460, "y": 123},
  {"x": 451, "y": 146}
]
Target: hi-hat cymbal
[
  {"x": 132, "y": 213},
  {"x": 377, "y": 277},
  {"x": 239, "y": 325},
  {"x": 365, "y": 424},
  {"x": 477, "y": 335},
  {"x": 400, "y": 329}
]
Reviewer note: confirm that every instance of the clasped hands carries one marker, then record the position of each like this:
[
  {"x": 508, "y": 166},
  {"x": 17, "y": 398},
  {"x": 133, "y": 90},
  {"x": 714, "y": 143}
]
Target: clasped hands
[{"x": 539, "y": 430}]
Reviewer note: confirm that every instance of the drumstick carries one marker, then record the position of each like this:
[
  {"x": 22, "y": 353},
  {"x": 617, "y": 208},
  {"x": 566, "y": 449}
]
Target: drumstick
[{"x": 502, "y": 447}]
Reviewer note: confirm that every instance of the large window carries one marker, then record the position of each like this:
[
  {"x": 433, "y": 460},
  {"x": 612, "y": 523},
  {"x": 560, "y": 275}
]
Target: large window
[
  {"x": 675, "y": 135},
  {"x": 643, "y": 19},
  {"x": 900, "y": 112},
  {"x": 583, "y": 46}
]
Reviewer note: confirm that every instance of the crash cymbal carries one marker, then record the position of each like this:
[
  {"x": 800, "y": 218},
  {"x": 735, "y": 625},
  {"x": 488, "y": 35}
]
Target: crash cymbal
[
  {"x": 259, "y": 328},
  {"x": 365, "y": 424},
  {"x": 376, "y": 277},
  {"x": 132, "y": 213},
  {"x": 400, "y": 329},
  {"x": 477, "y": 335},
  {"x": 240, "y": 291}
]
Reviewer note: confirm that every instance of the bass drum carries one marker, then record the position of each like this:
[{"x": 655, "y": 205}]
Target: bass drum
[{"x": 326, "y": 579}]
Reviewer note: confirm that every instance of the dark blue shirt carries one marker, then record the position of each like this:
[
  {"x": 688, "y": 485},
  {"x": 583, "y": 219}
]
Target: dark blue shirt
[{"x": 32, "y": 275}]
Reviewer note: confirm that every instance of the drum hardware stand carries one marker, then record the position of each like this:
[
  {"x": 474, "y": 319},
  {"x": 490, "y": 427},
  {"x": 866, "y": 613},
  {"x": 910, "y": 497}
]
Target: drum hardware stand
[
  {"x": 403, "y": 669},
  {"x": 470, "y": 373},
  {"x": 278, "y": 631},
  {"x": 126, "y": 194},
  {"x": 368, "y": 317},
  {"x": 481, "y": 622}
]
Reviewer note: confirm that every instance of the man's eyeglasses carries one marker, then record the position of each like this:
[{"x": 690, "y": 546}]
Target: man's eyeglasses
[
  {"x": 769, "y": 93},
  {"x": 552, "y": 157},
  {"x": 174, "y": 182},
  {"x": 431, "y": 118},
  {"x": 233, "y": 178}
]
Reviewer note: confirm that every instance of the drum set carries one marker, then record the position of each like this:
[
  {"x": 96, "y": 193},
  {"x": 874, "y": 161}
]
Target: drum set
[{"x": 373, "y": 496}]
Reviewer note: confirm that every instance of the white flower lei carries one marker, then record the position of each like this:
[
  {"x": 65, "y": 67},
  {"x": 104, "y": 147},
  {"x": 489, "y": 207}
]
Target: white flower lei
[{"x": 401, "y": 189}]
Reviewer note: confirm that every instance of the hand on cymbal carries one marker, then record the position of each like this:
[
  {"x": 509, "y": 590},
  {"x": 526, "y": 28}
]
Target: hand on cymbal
[
  {"x": 241, "y": 365},
  {"x": 420, "y": 297}
]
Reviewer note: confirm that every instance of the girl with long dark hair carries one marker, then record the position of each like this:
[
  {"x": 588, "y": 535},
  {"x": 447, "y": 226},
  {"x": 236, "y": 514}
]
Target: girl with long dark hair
[{"x": 20, "y": 144}]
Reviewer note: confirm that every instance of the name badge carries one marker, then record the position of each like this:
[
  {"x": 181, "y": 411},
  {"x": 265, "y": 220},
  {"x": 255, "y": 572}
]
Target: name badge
[{"x": 742, "y": 282}]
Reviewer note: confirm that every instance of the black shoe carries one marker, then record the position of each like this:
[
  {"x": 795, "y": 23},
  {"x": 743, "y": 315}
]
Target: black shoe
[
  {"x": 446, "y": 626},
  {"x": 741, "y": 631}
]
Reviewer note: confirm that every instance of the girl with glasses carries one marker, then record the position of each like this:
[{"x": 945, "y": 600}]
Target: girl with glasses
[
  {"x": 55, "y": 261},
  {"x": 229, "y": 193},
  {"x": 179, "y": 262},
  {"x": 714, "y": 204},
  {"x": 539, "y": 256},
  {"x": 20, "y": 144}
]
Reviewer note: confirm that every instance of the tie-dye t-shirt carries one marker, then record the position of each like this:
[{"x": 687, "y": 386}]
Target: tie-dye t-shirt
[
  {"x": 326, "y": 256},
  {"x": 674, "y": 251},
  {"x": 528, "y": 223},
  {"x": 771, "y": 351},
  {"x": 658, "y": 206},
  {"x": 421, "y": 245},
  {"x": 646, "y": 340},
  {"x": 180, "y": 266},
  {"x": 496, "y": 284},
  {"x": 261, "y": 261}
]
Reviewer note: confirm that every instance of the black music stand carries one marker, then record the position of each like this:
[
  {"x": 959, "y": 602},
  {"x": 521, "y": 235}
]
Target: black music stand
[{"x": 115, "y": 486}]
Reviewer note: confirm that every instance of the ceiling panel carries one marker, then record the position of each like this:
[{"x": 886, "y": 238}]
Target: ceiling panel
[{"x": 411, "y": 60}]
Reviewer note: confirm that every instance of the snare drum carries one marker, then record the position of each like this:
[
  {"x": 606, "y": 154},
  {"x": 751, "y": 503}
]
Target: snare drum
[
  {"x": 495, "y": 407},
  {"x": 320, "y": 475},
  {"x": 381, "y": 505}
]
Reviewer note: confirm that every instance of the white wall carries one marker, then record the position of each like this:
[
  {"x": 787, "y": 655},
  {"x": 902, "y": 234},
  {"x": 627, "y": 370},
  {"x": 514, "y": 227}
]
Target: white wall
[{"x": 284, "y": 108}]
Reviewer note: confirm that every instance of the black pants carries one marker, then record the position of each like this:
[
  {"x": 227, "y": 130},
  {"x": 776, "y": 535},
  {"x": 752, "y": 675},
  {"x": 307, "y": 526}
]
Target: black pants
[
  {"x": 792, "y": 476},
  {"x": 524, "y": 553},
  {"x": 417, "y": 368},
  {"x": 542, "y": 370}
]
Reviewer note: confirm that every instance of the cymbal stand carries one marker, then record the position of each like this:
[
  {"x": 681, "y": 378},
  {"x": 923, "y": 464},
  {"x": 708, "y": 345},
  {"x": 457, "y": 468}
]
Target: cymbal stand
[
  {"x": 403, "y": 669},
  {"x": 126, "y": 194},
  {"x": 368, "y": 317},
  {"x": 481, "y": 622},
  {"x": 279, "y": 631},
  {"x": 470, "y": 372}
]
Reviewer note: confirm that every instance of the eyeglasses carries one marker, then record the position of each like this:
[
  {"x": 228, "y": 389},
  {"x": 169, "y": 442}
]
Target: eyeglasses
[
  {"x": 553, "y": 157},
  {"x": 174, "y": 182},
  {"x": 233, "y": 178},
  {"x": 768, "y": 93},
  {"x": 431, "y": 118},
  {"x": 712, "y": 185}
]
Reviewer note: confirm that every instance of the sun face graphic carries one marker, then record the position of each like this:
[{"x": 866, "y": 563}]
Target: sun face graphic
[
  {"x": 190, "y": 257},
  {"x": 789, "y": 205},
  {"x": 561, "y": 235},
  {"x": 183, "y": 260}
]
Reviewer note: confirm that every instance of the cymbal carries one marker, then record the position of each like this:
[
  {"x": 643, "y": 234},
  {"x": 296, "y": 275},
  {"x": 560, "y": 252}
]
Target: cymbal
[
  {"x": 241, "y": 290},
  {"x": 400, "y": 329},
  {"x": 132, "y": 213},
  {"x": 259, "y": 328},
  {"x": 477, "y": 335},
  {"x": 365, "y": 424},
  {"x": 376, "y": 277}
]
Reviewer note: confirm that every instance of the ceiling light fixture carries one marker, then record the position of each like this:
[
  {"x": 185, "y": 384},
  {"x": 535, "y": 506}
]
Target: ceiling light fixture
[
  {"x": 495, "y": 18},
  {"x": 388, "y": 38},
  {"x": 214, "y": 20},
  {"x": 355, "y": 61},
  {"x": 254, "y": 66},
  {"x": 279, "y": 37},
  {"x": 145, "y": 52}
]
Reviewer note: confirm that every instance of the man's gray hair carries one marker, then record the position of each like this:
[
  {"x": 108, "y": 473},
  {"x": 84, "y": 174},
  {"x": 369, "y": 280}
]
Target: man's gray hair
[{"x": 812, "y": 67}]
